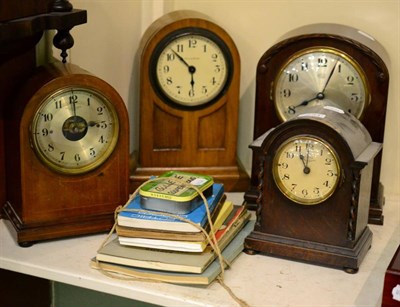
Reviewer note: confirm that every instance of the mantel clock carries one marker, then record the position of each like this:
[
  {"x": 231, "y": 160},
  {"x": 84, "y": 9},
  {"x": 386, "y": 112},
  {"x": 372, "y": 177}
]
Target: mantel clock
[
  {"x": 67, "y": 155},
  {"x": 324, "y": 64},
  {"x": 315, "y": 174},
  {"x": 189, "y": 100}
]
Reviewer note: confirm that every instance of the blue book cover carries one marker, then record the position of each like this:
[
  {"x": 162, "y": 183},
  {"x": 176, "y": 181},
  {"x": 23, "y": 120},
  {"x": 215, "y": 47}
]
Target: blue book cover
[{"x": 151, "y": 220}]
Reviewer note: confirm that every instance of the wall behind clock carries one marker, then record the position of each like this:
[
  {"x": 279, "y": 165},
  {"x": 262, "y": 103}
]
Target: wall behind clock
[{"x": 107, "y": 46}]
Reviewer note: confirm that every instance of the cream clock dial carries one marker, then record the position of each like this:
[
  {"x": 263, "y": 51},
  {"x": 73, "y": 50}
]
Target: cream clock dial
[
  {"x": 191, "y": 69},
  {"x": 320, "y": 76},
  {"x": 74, "y": 130},
  {"x": 306, "y": 170}
]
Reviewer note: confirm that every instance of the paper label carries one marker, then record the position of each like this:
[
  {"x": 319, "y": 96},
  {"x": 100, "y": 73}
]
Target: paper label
[{"x": 396, "y": 293}]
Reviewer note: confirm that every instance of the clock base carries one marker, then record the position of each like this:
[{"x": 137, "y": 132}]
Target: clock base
[
  {"x": 234, "y": 178},
  {"x": 345, "y": 258},
  {"x": 28, "y": 234}
]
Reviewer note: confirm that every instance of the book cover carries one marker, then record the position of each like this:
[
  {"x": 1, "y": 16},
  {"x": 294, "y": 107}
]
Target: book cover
[
  {"x": 204, "y": 278},
  {"x": 155, "y": 220},
  {"x": 113, "y": 252},
  {"x": 134, "y": 232},
  {"x": 179, "y": 245}
]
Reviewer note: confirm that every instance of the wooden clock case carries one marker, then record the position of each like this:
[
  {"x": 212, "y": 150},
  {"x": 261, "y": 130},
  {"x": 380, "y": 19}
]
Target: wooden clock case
[
  {"x": 373, "y": 59},
  {"x": 198, "y": 140},
  {"x": 42, "y": 204},
  {"x": 333, "y": 233}
]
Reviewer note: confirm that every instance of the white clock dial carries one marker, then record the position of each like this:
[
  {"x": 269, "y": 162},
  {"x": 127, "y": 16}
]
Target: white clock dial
[
  {"x": 74, "y": 130},
  {"x": 306, "y": 170},
  {"x": 320, "y": 76},
  {"x": 192, "y": 70}
]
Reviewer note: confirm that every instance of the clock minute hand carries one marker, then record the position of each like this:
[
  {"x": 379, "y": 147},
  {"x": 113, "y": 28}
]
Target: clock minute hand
[
  {"x": 181, "y": 58},
  {"x": 329, "y": 77}
]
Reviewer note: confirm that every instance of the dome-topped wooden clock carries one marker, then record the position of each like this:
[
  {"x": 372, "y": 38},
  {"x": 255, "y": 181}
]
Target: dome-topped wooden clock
[
  {"x": 67, "y": 151},
  {"x": 189, "y": 100},
  {"x": 315, "y": 175},
  {"x": 324, "y": 64}
]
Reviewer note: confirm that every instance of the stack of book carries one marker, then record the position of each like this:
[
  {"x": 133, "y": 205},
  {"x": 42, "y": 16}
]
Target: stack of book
[{"x": 152, "y": 242}]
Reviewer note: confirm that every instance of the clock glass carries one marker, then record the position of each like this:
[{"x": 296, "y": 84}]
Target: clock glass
[
  {"x": 74, "y": 130},
  {"x": 191, "y": 69},
  {"x": 320, "y": 76},
  {"x": 306, "y": 170}
]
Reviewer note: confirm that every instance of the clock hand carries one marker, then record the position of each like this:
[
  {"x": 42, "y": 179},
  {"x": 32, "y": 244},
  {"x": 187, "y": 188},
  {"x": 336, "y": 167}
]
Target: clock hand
[
  {"x": 319, "y": 95},
  {"x": 181, "y": 58},
  {"x": 329, "y": 78},
  {"x": 306, "y": 169},
  {"x": 191, "y": 68}
]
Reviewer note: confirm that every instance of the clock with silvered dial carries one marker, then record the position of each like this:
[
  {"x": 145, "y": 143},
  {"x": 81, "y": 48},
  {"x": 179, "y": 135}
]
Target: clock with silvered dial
[
  {"x": 320, "y": 76},
  {"x": 75, "y": 130},
  {"x": 67, "y": 149}
]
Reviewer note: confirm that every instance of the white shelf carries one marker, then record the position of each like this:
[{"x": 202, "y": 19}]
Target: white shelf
[{"x": 258, "y": 280}]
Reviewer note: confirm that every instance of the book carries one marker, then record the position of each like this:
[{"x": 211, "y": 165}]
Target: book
[
  {"x": 156, "y": 220},
  {"x": 230, "y": 253},
  {"x": 179, "y": 245},
  {"x": 113, "y": 252},
  {"x": 172, "y": 192},
  {"x": 125, "y": 231}
]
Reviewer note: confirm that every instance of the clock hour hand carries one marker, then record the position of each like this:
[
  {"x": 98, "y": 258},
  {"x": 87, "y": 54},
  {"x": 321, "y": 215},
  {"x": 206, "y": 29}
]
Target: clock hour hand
[{"x": 306, "y": 169}]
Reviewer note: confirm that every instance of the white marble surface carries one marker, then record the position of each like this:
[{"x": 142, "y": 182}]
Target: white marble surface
[{"x": 259, "y": 280}]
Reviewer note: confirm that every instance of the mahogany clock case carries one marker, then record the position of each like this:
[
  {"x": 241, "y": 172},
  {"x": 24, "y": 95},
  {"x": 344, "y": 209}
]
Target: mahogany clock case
[
  {"x": 332, "y": 233},
  {"x": 201, "y": 138},
  {"x": 372, "y": 59},
  {"x": 42, "y": 203}
]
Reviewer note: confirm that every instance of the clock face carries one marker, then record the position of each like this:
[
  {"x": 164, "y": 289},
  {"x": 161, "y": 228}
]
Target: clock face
[
  {"x": 320, "y": 76},
  {"x": 306, "y": 170},
  {"x": 191, "y": 69},
  {"x": 74, "y": 130}
]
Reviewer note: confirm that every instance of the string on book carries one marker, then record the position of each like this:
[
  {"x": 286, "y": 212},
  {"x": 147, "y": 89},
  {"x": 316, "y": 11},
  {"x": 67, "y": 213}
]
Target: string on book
[{"x": 210, "y": 239}]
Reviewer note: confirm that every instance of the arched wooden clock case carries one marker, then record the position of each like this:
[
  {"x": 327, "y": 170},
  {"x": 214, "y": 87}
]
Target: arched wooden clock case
[
  {"x": 42, "y": 202},
  {"x": 199, "y": 135},
  {"x": 371, "y": 57},
  {"x": 334, "y": 231}
]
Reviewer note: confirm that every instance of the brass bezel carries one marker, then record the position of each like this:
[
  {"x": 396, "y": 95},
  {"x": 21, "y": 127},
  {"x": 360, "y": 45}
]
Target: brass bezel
[
  {"x": 325, "y": 49},
  {"x": 57, "y": 167},
  {"x": 286, "y": 191}
]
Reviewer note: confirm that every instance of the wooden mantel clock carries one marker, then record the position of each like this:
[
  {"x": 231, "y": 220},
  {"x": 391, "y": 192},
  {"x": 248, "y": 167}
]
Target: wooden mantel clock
[
  {"x": 67, "y": 153},
  {"x": 315, "y": 175},
  {"x": 189, "y": 100},
  {"x": 324, "y": 64}
]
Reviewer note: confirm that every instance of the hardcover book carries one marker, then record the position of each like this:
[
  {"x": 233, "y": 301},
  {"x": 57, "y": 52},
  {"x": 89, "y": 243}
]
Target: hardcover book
[
  {"x": 157, "y": 220},
  {"x": 113, "y": 252},
  {"x": 179, "y": 245},
  {"x": 204, "y": 277},
  {"x": 134, "y": 232}
]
